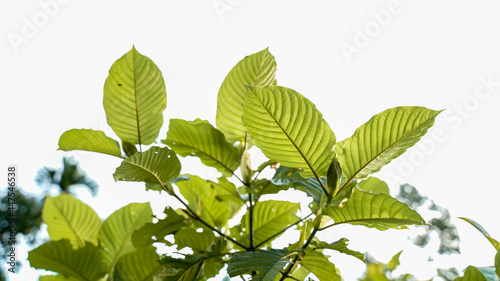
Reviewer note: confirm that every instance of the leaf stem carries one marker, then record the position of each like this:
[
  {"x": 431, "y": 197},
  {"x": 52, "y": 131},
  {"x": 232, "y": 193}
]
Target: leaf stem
[
  {"x": 292, "y": 264},
  {"x": 193, "y": 213},
  {"x": 250, "y": 223}
]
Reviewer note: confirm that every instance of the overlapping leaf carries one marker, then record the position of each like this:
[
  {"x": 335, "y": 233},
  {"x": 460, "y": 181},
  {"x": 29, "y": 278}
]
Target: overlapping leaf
[
  {"x": 320, "y": 266},
  {"x": 116, "y": 232},
  {"x": 374, "y": 185},
  {"x": 497, "y": 263},
  {"x": 267, "y": 262},
  {"x": 339, "y": 246},
  {"x": 288, "y": 128},
  {"x": 374, "y": 210},
  {"x": 69, "y": 218},
  {"x": 187, "y": 269},
  {"x": 269, "y": 218},
  {"x": 383, "y": 138},
  {"x": 169, "y": 225},
  {"x": 155, "y": 166},
  {"x": 135, "y": 98},
  {"x": 199, "y": 138},
  {"x": 139, "y": 265},
  {"x": 212, "y": 201},
  {"x": 85, "y": 263},
  {"x": 88, "y": 140},
  {"x": 59, "y": 277},
  {"x": 258, "y": 69},
  {"x": 197, "y": 241}
]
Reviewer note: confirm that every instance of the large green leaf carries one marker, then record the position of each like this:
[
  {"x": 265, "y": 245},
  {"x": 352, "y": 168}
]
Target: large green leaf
[
  {"x": 258, "y": 69},
  {"x": 169, "y": 225},
  {"x": 199, "y": 138},
  {"x": 267, "y": 262},
  {"x": 85, "y": 263},
  {"x": 89, "y": 140},
  {"x": 69, "y": 218},
  {"x": 339, "y": 246},
  {"x": 483, "y": 231},
  {"x": 270, "y": 217},
  {"x": 116, "y": 232},
  {"x": 210, "y": 200},
  {"x": 383, "y": 138},
  {"x": 288, "y": 128},
  {"x": 471, "y": 274},
  {"x": 155, "y": 166},
  {"x": 135, "y": 98},
  {"x": 320, "y": 266},
  {"x": 139, "y": 265},
  {"x": 373, "y": 210}
]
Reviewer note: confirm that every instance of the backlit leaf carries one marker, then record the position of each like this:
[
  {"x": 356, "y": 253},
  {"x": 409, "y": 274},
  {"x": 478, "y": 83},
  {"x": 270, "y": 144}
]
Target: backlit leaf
[
  {"x": 268, "y": 263},
  {"x": 89, "y": 140},
  {"x": 135, "y": 98},
  {"x": 373, "y": 210},
  {"x": 258, "y": 69},
  {"x": 140, "y": 265},
  {"x": 288, "y": 128},
  {"x": 69, "y": 218},
  {"x": 199, "y": 138},
  {"x": 85, "y": 263},
  {"x": 383, "y": 138}
]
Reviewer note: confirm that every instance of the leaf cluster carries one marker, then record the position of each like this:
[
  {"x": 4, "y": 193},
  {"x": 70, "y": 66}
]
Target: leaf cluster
[{"x": 252, "y": 111}]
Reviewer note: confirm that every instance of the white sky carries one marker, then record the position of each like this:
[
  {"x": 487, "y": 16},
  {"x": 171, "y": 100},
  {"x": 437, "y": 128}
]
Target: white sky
[{"x": 54, "y": 60}]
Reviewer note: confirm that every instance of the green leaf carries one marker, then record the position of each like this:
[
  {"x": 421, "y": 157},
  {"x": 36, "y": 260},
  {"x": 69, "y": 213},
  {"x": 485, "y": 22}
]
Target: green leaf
[
  {"x": 267, "y": 262},
  {"x": 89, "y": 140},
  {"x": 210, "y": 200},
  {"x": 471, "y": 274},
  {"x": 333, "y": 177},
  {"x": 139, "y": 265},
  {"x": 115, "y": 234},
  {"x": 493, "y": 242},
  {"x": 199, "y": 138},
  {"x": 85, "y": 263},
  {"x": 69, "y": 218},
  {"x": 155, "y": 166},
  {"x": 197, "y": 241},
  {"x": 258, "y": 69},
  {"x": 135, "y": 98},
  {"x": 497, "y": 263},
  {"x": 374, "y": 185},
  {"x": 186, "y": 269},
  {"x": 320, "y": 266},
  {"x": 373, "y": 210},
  {"x": 339, "y": 246},
  {"x": 288, "y": 128},
  {"x": 270, "y": 217},
  {"x": 489, "y": 273},
  {"x": 169, "y": 225},
  {"x": 383, "y": 138},
  {"x": 129, "y": 148},
  {"x": 394, "y": 262}
]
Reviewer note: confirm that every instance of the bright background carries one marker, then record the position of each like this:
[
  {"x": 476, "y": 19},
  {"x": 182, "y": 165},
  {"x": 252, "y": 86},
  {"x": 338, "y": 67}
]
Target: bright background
[{"x": 55, "y": 57}]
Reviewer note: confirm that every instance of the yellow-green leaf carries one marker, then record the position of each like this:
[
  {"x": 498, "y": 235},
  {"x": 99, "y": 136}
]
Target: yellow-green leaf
[
  {"x": 88, "y": 140},
  {"x": 373, "y": 210},
  {"x": 199, "y": 138},
  {"x": 69, "y": 218},
  {"x": 288, "y": 128},
  {"x": 135, "y": 98},
  {"x": 258, "y": 69},
  {"x": 383, "y": 138},
  {"x": 139, "y": 265}
]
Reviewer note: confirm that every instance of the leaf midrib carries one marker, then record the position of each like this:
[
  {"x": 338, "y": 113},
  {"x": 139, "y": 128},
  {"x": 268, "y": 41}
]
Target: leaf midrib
[
  {"x": 382, "y": 152},
  {"x": 289, "y": 138},
  {"x": 82, "y": 244}
]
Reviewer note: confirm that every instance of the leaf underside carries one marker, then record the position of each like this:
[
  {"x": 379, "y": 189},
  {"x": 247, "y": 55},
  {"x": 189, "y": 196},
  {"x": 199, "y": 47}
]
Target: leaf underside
[{"x": 89, "y": 140}]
